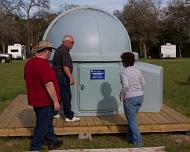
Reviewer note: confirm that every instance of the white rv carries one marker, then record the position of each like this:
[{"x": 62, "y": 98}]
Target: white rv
[
  {"x": 168, "y": 51},
  {"x": 17, "y": 51}
]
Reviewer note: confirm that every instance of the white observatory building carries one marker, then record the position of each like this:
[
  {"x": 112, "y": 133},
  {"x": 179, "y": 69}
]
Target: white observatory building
[{"x": 100, "y": 39}]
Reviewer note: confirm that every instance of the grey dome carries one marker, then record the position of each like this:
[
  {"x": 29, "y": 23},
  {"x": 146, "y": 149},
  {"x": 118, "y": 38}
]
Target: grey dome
[{"x": 98, "y": 35}]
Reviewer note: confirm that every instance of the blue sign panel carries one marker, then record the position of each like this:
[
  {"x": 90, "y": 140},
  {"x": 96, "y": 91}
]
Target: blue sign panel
[{"x": 97, "y": 74}]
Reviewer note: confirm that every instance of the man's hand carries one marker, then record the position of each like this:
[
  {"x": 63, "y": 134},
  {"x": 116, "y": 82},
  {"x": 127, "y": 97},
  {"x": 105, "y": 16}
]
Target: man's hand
[
  {"x": 69, "y": 75},
  {"x": 72, "y": 81},
  {"x": 56, "y": 106},
  {"x": 53, "y": 95}
]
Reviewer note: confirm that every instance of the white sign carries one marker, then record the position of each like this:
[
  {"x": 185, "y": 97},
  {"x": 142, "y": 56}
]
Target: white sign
[{"x": 168, "y": 51}]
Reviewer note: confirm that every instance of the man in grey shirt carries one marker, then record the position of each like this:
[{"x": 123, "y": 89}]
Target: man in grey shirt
[{"x": 63, "y": 67}]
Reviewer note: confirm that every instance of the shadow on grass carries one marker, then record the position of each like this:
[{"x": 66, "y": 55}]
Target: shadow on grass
[{"x": 183, "y": 82}]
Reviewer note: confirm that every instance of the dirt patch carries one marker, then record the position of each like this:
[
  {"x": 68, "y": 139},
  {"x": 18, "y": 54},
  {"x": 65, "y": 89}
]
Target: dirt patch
[
  {"x": 11, "y": 143},
  {"x": 181, "y": 138}
]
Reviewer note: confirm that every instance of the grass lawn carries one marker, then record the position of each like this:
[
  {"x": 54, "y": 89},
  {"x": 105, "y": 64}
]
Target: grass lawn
[
  {"x": 172, "y": 142},
  {"x": 11, "y": 82},
  {"x": 176, "y": 86},
  {"x": 176, "y": 95}
]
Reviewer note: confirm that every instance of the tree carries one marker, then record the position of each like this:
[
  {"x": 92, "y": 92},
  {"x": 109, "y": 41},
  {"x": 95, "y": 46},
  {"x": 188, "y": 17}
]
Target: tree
[
  {"x": 141, "y": 18},
  {"x": 65, "y": 7},
  {"x": 31, "y": 9},
  {"x": 39, "y": 25},
  {"x": 7, "y": 17},
  {"x": 177, "y": 23},
  {"x": 117, "y": 13}
]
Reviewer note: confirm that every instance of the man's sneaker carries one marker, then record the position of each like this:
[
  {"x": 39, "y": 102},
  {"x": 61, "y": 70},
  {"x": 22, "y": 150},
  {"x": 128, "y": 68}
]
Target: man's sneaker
[
  {"x": 57, "y": 116},
  {"x": 73, "y": 119}
]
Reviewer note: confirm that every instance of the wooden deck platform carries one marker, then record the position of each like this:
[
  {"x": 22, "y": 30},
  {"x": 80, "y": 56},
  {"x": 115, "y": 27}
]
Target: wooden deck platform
[{"x": 18, "y": 120}]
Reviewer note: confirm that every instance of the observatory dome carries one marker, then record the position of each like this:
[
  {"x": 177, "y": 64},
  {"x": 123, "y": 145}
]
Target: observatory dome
[{"x": 98, "y": 35}]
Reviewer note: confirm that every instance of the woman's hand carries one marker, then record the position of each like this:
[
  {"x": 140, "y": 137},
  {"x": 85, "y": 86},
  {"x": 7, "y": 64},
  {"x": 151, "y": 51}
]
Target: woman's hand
[{"x": 121, "y": 99}]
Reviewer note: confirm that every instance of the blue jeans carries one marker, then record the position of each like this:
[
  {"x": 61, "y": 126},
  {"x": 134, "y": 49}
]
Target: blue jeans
[
  {"x": 131, "y": 108},
  {"x": 44, "y": 127},
  {"x": 65, "y": 92}
]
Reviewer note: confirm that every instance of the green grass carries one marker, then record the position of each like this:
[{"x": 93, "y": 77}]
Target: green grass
[
  {"x": 176, "y": 95},
  {"x": 176, "y": 88},
  {"x": 172, "y": 142},
  {"x": 11, "y": 82}
]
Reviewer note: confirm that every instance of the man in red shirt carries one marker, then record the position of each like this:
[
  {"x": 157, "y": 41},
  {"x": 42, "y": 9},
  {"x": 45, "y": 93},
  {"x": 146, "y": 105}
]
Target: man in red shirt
[{"x": 43, "y": 94}]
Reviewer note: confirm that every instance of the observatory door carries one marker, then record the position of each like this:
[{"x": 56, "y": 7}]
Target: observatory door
[{"x": 98, "y": 88}]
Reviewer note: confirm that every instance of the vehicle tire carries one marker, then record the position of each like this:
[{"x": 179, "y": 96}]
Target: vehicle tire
[{"x": 3, "y": 60}]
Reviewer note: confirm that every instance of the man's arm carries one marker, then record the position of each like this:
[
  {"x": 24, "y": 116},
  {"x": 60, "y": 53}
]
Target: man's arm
[
  {"x": 68, "y": 73},
  {"x": 53, "y": 95}
]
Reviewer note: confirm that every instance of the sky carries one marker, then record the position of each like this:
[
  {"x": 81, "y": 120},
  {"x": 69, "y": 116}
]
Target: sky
[{"x": 108, "y": 5}]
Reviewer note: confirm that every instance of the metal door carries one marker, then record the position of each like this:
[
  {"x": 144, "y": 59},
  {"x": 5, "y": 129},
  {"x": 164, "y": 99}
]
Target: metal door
[{"x": 98, "y": 88}]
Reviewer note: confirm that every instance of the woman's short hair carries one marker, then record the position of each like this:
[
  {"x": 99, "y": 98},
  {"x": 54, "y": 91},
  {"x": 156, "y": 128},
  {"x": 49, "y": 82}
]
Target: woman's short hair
[{"x": 128, "y": 58}]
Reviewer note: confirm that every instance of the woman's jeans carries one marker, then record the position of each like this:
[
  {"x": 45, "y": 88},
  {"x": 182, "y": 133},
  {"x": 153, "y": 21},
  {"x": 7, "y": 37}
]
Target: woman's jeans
[
  {"x": 131, "y": 108},
  {"x": 65, "y": 92},
  {"x": 44, "y": 127}
]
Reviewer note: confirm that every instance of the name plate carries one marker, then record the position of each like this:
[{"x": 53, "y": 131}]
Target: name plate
[{"x": 97, "y": 74}]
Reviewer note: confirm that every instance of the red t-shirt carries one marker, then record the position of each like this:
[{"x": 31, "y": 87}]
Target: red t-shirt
[{"x": 38, "y": 72}]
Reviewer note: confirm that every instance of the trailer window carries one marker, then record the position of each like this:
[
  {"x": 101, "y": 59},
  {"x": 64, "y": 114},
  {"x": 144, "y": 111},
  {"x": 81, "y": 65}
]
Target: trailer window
[{"x": 14, "y": 50}]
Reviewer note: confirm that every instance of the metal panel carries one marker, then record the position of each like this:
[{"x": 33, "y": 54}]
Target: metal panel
[
  {"x": 98, "y": 87},
  {"x": 153, "y": 90}
]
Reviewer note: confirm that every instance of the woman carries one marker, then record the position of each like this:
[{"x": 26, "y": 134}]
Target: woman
[{"x": 132, "y": 96}]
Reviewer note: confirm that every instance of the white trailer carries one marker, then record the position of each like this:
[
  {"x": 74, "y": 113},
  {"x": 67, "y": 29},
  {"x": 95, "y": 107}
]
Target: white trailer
[
  {"x": 168, "y": 51},
  {"x": 17, "y": 51}
]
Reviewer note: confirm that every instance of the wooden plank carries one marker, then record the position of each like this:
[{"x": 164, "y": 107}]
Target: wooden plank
[
  {"x": 142, "y": 118},
  {"x": 83, "y": 121},
  {"x": 13, "y": 122},
  {"x": 26, "y": 118},
  {"x": 121, "y": 119},
  {"x": 59, "y": 122},
  {"x": 99, "y": 121},
  {"x": 174, "y": 114},
  {"x": 10, "y": 116},
  {"x": 77, "y": 123},
  {"x": 97, "y": 129},
  {"x": 95, "y": 122},
  {"x": 32, "y": 120},
  {"x": 151, "y": 116},
  {"x": 168, "y": 117},
  {"x": 161, "y": 119},
  {"x": 55, "y": 122},
  {"x": 5, "y": 114},
  {"x": 83, "y": 124},
  {"x": 10, "y": 112},
  {"x": 107, "y": 120},
  {"x": 156, "y": 118},
  {"x": 20, "y": 121},
  {"x": 90, "y": 122},
  {"x": 164, "y": 128},
  {"x": 16, "y": 132}
]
